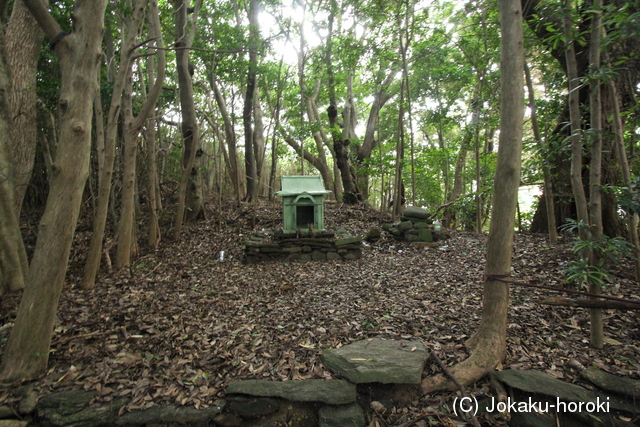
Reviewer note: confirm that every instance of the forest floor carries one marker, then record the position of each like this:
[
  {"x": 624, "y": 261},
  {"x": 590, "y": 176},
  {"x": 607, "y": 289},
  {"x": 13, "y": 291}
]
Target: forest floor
[{"x": 180, "y": 324}]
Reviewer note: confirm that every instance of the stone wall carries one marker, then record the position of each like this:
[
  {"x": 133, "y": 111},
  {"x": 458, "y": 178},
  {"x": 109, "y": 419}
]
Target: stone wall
[{"x": 265, "y": 246}]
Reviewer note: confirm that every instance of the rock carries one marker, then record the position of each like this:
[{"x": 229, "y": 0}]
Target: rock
[
  {"x": 6, "y": 412},
  {"x": 252, "y": 407},
  {"x": 416, "y": 212},
  {"x": 339, "y": 416},
  {"x": 373, "y": 235},
  {"x": 404, "y": 226},
  {"x": 228, "y": 420},
  {"x": 318, "y": 256},
  {"x": 378, "y": 360},
  {"x": 169, "y": 414},
  {"x": 332, "y": 256},
  {"x": 28, "y": 399},
  {"x": 333, "y": 392},
  {"x": 612, "y": 383},
  {"x": 425, "y": 235},
  {"x": 387, "y": 226},
  {"x": 390, "y": 395},
  {"x": 540, "y": 383},
  {"x": 353, "y": 254},
  {"x": 347, "y": 241},
  {"x": 72, "y": 408},
  {"x": 13, "y": 423}
]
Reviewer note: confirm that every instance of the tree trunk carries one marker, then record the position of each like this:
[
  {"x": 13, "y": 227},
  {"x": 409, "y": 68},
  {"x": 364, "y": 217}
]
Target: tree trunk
[
  {"x": 595, "y": 167},
  {"x": 27, "y": 350},
  {"x": 230, "y": 136},
  {"x": 23, "y": 43},
  {"x": 621, "y": 154},
  {"x": 398, "y": 185},
  {"x": 489, "y": 342},
  {"x": 105, "y": 174},
  {"x": 576, "y": 127},
  {"x": 249, "y": 152},
  {"x": 548, "y": 188},
  {"x": 13, "y": 258},
  {"x": 274, "y": 136},
  {"x": 189, "y": 128}
]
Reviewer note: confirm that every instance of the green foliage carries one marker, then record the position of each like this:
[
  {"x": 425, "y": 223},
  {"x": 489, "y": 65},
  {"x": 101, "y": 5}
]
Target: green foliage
[
  {"x": 594, "y": 256},
  {"x": 630, "y": 199}
]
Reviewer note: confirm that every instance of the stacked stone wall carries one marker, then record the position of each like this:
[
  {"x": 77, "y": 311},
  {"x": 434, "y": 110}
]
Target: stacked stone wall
[{"x": 263, "y": 246}]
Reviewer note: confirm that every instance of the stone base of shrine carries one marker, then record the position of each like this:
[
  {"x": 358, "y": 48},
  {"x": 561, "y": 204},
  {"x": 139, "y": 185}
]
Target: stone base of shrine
[{"x": 320, "y": 246}]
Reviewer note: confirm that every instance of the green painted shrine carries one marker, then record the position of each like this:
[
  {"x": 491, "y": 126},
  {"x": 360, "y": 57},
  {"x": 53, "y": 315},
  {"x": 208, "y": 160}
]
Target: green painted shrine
[{"x": 303, "y": 203}]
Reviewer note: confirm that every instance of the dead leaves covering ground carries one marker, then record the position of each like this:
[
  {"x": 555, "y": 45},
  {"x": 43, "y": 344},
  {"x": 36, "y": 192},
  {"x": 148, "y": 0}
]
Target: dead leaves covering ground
[{"x": 179, "y": 325}]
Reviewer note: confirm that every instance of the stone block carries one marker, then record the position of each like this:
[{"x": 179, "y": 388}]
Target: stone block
[
  {"x": 333, "y": 392},
  {"x": 318, "y": 256},
  {"x": 341, "y": 416},
  {"x": 416, "y": 212},
  {"x": 347, "y": 241},
  {"x": 332, "y": 256},
  {"x": 379, "y": 361},
  {"x": 404, "y": 226},
  {"x": 353, "y": 254},
  {"x": 251, "y": 407},
  {"x": 425, "y": 235}
]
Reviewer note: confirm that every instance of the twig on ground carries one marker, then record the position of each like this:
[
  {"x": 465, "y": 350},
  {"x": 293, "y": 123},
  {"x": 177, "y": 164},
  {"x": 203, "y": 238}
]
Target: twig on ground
[{"x": 448, "y": 373}]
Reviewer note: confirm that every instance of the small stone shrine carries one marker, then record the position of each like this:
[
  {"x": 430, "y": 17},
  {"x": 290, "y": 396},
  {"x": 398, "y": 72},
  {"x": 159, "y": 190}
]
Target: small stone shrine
[
  {"x": 302, "y": 204},
  {"x": 303, "y": 236}
]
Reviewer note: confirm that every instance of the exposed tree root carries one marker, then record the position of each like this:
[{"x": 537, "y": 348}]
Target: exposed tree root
[{"x": 484, "y": 359}]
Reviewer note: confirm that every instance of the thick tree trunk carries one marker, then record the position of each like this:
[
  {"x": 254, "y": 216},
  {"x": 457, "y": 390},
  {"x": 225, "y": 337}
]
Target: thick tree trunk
[
  {"x": 23, "y": 43},
  {"x": 490, "y": 341},
  {"x": 27, "y": 350}
]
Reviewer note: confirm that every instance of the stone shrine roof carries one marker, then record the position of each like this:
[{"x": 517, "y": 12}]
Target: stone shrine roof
[{"x": 294, "y": 185}]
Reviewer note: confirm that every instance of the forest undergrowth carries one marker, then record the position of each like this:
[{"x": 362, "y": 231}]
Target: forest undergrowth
[{"x": 179, "y": 324}]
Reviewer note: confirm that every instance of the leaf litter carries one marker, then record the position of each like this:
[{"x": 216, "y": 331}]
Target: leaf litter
[{"x": 179, "y": 325}]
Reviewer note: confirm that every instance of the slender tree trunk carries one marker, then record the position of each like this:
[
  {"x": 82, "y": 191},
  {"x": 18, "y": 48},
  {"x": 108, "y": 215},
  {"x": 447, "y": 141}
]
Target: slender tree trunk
[
  {"x": 595, "y": 167},
  {"x": 258, "y": 139},
  {"x": 489, "y": 343},
  {"x": 127, "y": 242},
  {"x": 23, "y": 43},
  {"x": 249, "y": 152},
  {"x": 105, "y": 174},
  {"x": 576, "y": 128},
  {"x": 398, "y": 186},
  {"x": 13, "y": 258},
  {"x": 548, "y": 188},
  {"x": 27, "y": 350},
  {"x": 189, "y": 128},
  {"x": 274, "y": 135},
  {"x": 230, "y": 136},
  {"x": 621, "y": 154}
]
